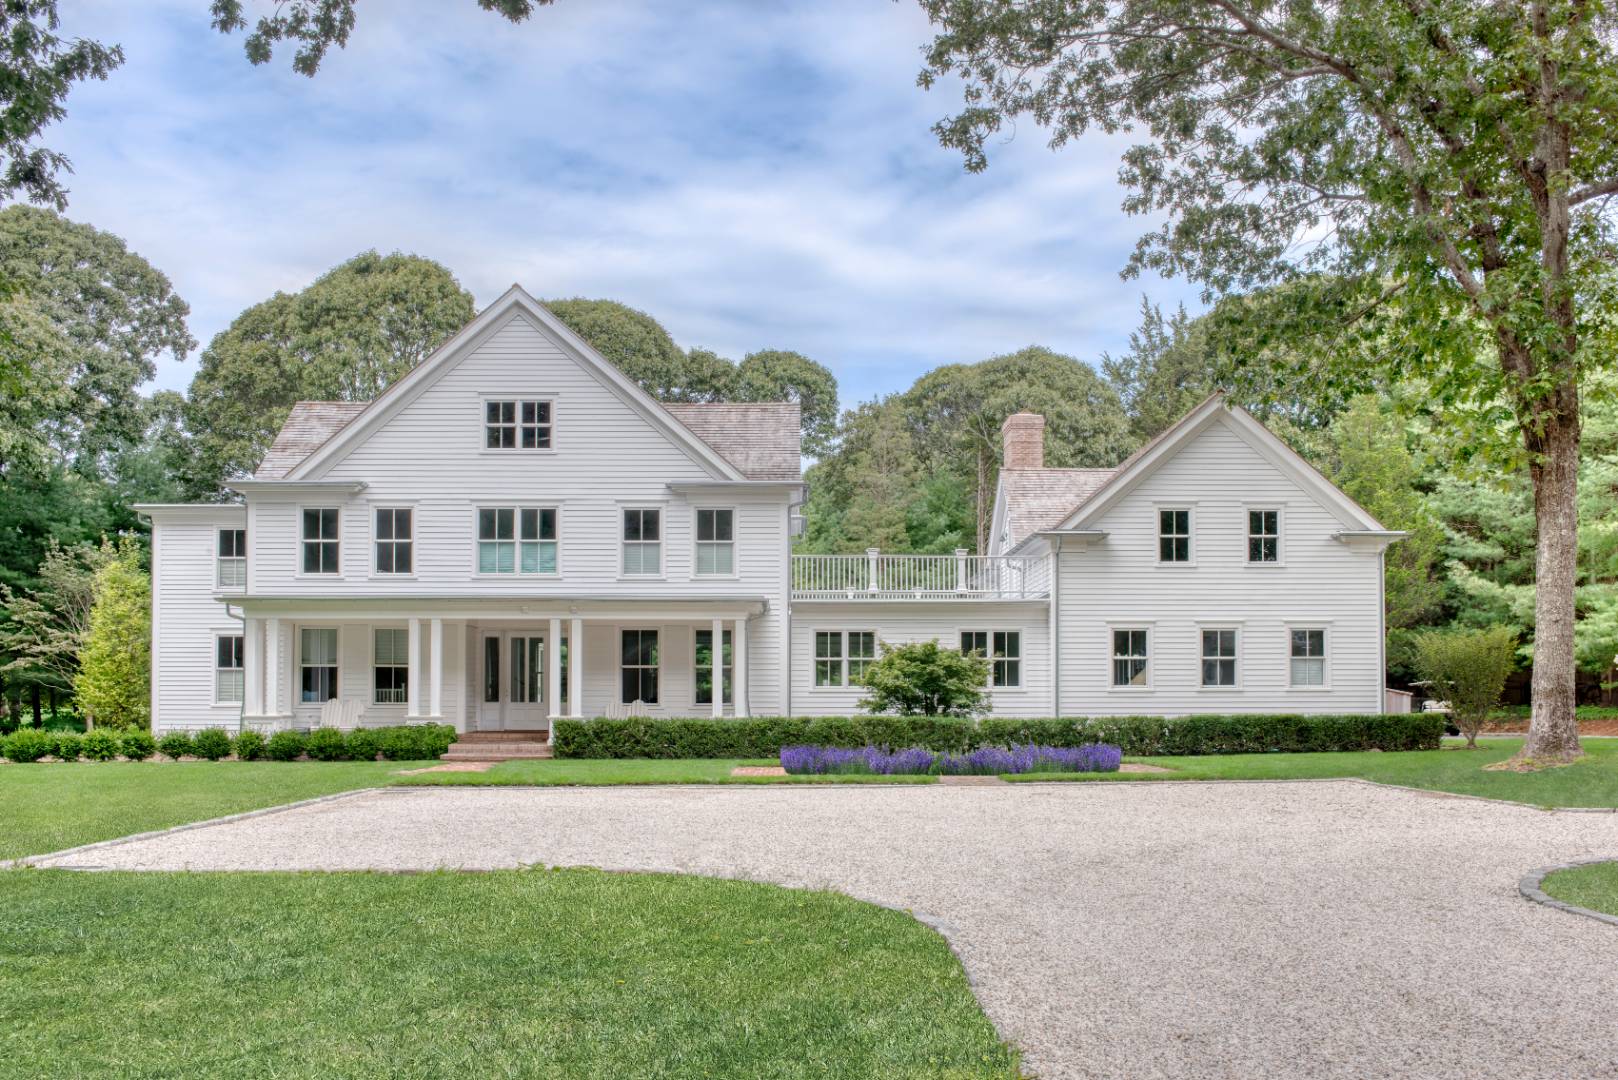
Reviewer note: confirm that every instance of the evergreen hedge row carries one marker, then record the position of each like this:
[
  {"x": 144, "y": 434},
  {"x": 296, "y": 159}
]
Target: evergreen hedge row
[{"x": 1140, "y": 736}]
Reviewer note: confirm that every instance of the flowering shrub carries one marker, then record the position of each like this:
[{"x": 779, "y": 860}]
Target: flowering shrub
[{"x": 984, "y": 761}]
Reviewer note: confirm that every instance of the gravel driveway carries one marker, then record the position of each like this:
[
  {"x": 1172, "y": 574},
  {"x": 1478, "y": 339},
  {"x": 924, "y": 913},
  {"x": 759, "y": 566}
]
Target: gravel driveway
[{"x": 1328, "y": 929}]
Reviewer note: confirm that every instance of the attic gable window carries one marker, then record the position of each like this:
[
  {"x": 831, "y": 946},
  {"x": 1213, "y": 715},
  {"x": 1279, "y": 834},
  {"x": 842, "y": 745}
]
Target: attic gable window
[
  {"x": 1174, "y": 536},
  {"x": 517, "y": 425}
]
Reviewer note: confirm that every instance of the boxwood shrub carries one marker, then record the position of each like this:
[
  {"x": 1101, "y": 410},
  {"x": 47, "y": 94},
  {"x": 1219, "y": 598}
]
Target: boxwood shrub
[
  {"x": 100, "y": 744},
  {"x": 285, "y": 746},
  {"x": 414, "y": 742},
  {"x": 327, "y": 744},
  {"x": 1139, "y": 736},
  {"x": 69, "y": 745},
  {"x": 27, "y": 744},
  {"x": 364, "y": 744},
  {"x": 175, "y": 744},
  {"x": 249, "y": 746},
  {"x": 137, "y": 744},
  {"x": 211, "y": 744}
]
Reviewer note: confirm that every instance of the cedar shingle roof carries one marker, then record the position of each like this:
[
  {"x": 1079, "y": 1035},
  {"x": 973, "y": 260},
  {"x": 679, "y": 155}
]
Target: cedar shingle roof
[
  {"x": 760, "y": 439},
  {"x": 308, "y": 426},
  {"x": 1039, "y": 499}
]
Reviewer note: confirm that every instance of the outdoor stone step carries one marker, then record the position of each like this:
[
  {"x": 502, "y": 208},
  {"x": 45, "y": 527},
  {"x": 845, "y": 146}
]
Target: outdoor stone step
[{"x": 498, "y": 755}]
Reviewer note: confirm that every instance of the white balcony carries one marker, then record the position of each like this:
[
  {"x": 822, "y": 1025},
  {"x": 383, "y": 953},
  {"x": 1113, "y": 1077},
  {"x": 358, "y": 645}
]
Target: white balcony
[{"x": 874, "y": 576}]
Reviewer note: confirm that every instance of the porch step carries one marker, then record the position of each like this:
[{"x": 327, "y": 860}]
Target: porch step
[
  {"x": 501, "y": 736},
  {"x": 489, "y": 750}
]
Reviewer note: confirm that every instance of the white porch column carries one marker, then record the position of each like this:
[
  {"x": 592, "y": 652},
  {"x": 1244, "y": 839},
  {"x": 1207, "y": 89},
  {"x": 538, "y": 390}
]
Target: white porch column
[
  {"x": 413, "y": 671},
  {"x": 272, "y": 666},
  {"x": 717, "y": 657},
  {"x": 253, "y": 666},
  {"x": 575, "y": 668},
  {"x": 435, "y": 640},
  {"x": 738, "y": 648},
  {"x": 553, "y": 674}
]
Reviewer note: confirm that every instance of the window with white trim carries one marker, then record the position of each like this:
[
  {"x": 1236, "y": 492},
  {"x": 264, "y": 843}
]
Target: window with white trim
[
  {"x": 232, "y": 569},
  {"x": 320, "y": 541},
  {"x": 229, "y": 676},
  {"x": 716, "y": 541},
  {"x": 1003, "y": 650},
  {"x": 704, "y": 667},
  {"x": 828, "y": 658},
  {"x": 517, "y": 539},
  {"x": 1263, "y": 536},
  {"x": 390, "y": 679},
  {"x": 1219, "y": 658},
  {"x": 1131, "y": 657},
  {"x": 639, "y": 667},
  {"x": 1174, "y": 536},
  {"x": 394, "y": 537},
  {"x": 317, "y": 664},
  {"x": 1308, "y": 657},
  {"x": 517, "y": 425},
  {"x": 841, "y": 656},
  {"x": 643, "y": 540}
]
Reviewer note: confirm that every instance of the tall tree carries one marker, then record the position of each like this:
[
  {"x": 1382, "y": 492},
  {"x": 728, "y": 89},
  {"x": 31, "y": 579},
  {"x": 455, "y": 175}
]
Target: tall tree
[
  {"x": 1168, "y": 369},
  {"x": 344, "y": 338},
  {"x": 1458, "y": 154},
  {"x": 783, "y": 375}
]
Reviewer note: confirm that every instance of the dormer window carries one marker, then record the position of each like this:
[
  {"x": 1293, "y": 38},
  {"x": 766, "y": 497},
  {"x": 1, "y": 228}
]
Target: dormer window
[{"x": 517, "y": 425}]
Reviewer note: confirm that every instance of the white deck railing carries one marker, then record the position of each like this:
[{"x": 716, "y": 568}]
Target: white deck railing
[{"x": 920, "y": 577}]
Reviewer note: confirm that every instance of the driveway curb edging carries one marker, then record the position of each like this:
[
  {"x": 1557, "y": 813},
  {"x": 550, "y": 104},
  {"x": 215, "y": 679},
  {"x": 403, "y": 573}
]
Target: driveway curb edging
[{"x": 1531, "y": 887}]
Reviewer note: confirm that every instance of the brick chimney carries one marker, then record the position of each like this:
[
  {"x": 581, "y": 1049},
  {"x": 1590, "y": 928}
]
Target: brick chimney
[{"x": 1023, "y": 439}]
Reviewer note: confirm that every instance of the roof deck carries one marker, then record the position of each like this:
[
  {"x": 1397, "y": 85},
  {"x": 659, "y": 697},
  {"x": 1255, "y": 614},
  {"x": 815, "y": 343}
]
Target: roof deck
[{"x": 875, "y": 576}]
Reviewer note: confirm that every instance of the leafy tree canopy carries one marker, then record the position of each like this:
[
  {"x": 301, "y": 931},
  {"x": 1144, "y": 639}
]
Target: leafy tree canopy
[
  {"x": 922, "y": 678},
  {"x": 114, "y": 682},
  {"x": 344, "y": 338}
]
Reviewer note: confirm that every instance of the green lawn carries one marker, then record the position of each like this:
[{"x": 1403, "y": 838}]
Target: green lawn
[
  {"x": 1592, "y": 782},
  {"x": 639, "y": 771},
  {"x": 50, "y": 807},
  {"x": 570, "y": 973},
  {"x": 1594, "y": 886}
]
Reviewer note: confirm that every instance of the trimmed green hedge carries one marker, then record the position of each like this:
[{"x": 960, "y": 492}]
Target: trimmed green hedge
[{"x": 1138, "y": 736}]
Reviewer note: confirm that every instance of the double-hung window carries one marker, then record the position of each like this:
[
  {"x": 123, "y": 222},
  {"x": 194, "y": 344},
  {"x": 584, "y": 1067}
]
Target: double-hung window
[
  {"x": 716, "y": 541},
  {"x": 229, "y": 676},
  {"x": 1131, "y": 657},
  {"x": 232, "y": 568},
  {"x": 391, "y": 667},
  {"x": 517, "y": 425},
  {"x": 394, "y": 537},
  {"x": 643, "y": 540},
  {"x": 639, "y": 667},
  {"x": 517, "y": 539},
  {"x": 704, "y": 667},
  {"x": 841, "y": 656},
  {"x": 1308, "y": 657},
  {"x": 1003, "y": 650},
  {"x": 317, "y": 664},
  {"x": 320, "y": 541},
  {"x": 1219, "y": 658},
  {"x": 1263, "y": 536},
  {"x": 1174, "y": 536}
]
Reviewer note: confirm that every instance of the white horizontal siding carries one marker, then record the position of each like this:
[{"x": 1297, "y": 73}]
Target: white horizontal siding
[{"x": 186, "y": 616}]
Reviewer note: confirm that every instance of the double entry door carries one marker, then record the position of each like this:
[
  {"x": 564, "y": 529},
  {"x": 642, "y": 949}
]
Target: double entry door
[{"x": 514, "y": 684}]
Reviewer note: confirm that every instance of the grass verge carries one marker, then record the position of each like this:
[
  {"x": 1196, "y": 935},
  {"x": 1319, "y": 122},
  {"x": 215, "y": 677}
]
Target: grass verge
[
  {"x": 1591, "y": 782},
  {"x": 1593, "y": 886},
  {"x": 568, "y": 973}
]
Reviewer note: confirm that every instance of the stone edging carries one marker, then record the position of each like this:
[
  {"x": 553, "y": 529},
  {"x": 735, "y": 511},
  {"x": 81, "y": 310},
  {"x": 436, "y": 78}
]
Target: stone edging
[
  {"x": 35, "y": 860},
  {"x": 1530, "y": 888}
]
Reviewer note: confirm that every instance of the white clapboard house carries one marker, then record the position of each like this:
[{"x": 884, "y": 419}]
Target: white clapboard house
[{"x": 515, "y": 532}]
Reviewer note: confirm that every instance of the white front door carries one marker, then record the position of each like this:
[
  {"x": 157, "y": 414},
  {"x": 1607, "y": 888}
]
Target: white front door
[{"x": 513, "y": 669}]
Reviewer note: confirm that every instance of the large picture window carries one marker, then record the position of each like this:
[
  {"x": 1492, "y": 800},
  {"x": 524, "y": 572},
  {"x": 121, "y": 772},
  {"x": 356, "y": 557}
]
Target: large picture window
[
  {"x": 1130, "y": 657},
  {"x": 643, "y": 540},
  {"x": 232, "y": 568},
  {"x": 395, "y": 541},
  {"x": 229, "y": 675},
  {"x": 639, "y": 667},
  {"x": 704, "y": 667},
  {"x": 716, "y": 541},
  {"x": 317, "y": 664},
  {"x": 391, "y": 667},
  {"x": 320, "y": 541},
  {"x": 1308, "y": 657}
]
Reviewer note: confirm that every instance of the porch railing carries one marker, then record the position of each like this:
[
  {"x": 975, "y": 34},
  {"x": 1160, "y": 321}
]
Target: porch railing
[{"x": 920, "y": 577}]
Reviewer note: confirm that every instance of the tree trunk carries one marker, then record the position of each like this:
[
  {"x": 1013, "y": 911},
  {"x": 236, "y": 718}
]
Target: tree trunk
[
  {"x": 1553, "y": 733},
  {"x": 33, "y": 701}
]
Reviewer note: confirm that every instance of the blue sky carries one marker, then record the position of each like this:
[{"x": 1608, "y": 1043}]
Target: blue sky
[{"x": 754, "y": 174}]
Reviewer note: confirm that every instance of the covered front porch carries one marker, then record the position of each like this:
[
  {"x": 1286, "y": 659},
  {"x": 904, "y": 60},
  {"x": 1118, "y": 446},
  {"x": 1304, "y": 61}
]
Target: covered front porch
[{"x": 492, "y": 666}]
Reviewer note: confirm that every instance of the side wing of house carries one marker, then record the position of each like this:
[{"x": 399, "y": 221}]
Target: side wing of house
[
  {"x": 1224, "y": 576},
  {"x": 197, "y": 666}
]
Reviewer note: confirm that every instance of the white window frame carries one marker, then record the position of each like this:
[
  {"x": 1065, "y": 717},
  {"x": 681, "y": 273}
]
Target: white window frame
[
  {"x": 516, "y": 425},
  {"x": 376, "y": 665},
  {"x": 1150, "y": 630},
  {"x": 1158, "y": 535},
  {"x": 997, "y": 658},
  {"x": 1325, "y": 631},
  {"x": 843, "y": 660},
  {"x": 656, "y": 668},
  {"x": 238, "y": 562},
  {"x": 698, "y": 544},
  {"x": 408, "y": 542},
  {"x": 624, "y": 509},
  {"x": 1248, "y": 534},
  {"x": 516, "y": 541},
  {"x": 336, "y": 540},
  {"x": 727, "y": 663},
  {"x": 1225, "y": 627},
  {"x": 240, "y": 669},
  {"x": 336, "y": 665}
]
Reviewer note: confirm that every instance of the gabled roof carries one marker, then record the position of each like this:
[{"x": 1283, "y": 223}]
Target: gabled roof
[
  {"x": 307, "y": 427},
  {"x": 1037, "y": 500},
  {"x": 513, "y": 301},
  {"x": 762, "y": 439}
]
